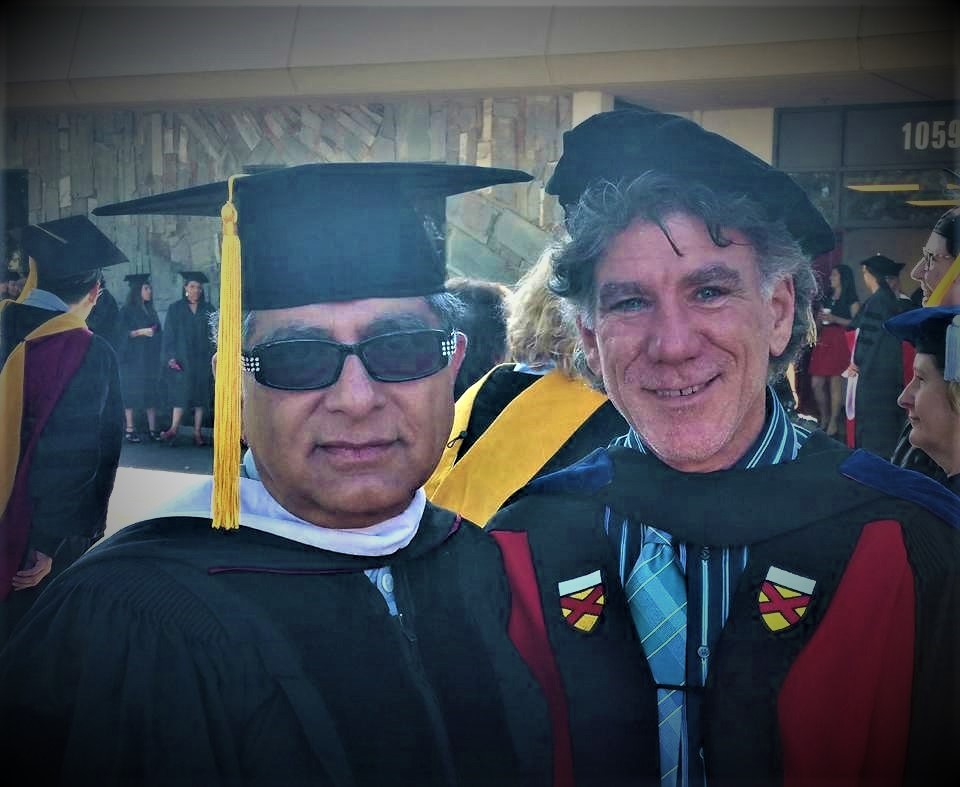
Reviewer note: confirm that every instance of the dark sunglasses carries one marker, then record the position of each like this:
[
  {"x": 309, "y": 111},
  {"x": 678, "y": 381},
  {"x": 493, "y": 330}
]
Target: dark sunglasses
[{"x": 308, "y": 364}]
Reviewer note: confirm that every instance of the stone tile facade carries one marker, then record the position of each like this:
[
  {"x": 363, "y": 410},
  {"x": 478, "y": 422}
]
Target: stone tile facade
[{"x": 79, "y": 159}]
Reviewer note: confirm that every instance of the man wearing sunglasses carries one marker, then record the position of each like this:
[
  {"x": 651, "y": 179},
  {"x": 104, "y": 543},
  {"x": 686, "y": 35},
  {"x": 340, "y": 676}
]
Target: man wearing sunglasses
[{"x": 347, "y": 632}]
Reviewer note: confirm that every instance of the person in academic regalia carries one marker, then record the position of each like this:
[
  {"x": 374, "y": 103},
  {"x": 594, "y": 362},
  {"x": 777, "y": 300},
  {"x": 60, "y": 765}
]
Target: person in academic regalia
[
  {"x": 538, "y": 409},
  {"x": 877, "y": 361},
  {"x": 794, "y": 602},
  {"x": 104, "y": 320},
  {"x": 62, "y": 415},
  {"x": 937, "y": 272},
  {"x": 140, "y": 364},
  {"x": 332, "y": 627},
  {"x": 932, "y": 397},
  {"x": 187, "y": 351}
]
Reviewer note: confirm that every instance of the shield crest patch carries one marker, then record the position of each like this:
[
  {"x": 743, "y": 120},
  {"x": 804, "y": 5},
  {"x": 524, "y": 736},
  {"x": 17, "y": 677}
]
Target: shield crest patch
[
  {"x": 582, "y": 600},
  {"x": 784, "y": 598}
]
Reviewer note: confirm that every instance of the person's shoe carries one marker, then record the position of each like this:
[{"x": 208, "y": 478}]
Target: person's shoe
[
  {"x": 156, "y": 436},
  {"x": 131, "y": 436},
  {"x": 198, "y": 439},
  {"x": 169, "y": 436}
]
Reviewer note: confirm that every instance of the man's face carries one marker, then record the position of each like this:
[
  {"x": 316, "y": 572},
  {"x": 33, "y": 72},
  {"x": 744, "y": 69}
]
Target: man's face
[
  {"x": 352, "y": 454},
  {"x": 936, "y": 427},
  {"x": 683, "y": 343},
  {"x": 935, "y": 260}
]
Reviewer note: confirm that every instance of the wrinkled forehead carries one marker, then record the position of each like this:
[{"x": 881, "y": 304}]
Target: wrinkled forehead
[{"x": 342, "y": 321}]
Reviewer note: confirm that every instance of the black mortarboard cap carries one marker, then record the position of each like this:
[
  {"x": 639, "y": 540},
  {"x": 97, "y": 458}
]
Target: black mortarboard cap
[
  {"x": 881, "y": 265},
  {"x": 332, "y": 232},
  {"x": 136, "y": 279},
  {"x": 68, "y": 247},
  {"x": 927, "y": 330},
  {"x": 9, "y": 275},
  {"x": 625, "y": 143},
  {"x": 198, "y": 276},
  {"x": 313, "y": 234}
]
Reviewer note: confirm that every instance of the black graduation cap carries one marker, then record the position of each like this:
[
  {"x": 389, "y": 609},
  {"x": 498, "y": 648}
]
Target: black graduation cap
[
  {"x": 881, "y": 265},
  {"x": 332, "y": 232},
  {"x": 68, "y": 247},
  {"x": 198, "y": 276},
  {"x": 625, "y": 143},
  {"x": 9, "y": 275},
  {"x": 136, "y": 280},
  {"x": 932, "y": 330},
  {"x": 312, "y": 234}
]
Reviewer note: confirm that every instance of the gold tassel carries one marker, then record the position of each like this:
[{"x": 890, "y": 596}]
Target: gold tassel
[
  {"x": 226, "y": 433},
  {"x": 30, "y": 283}
]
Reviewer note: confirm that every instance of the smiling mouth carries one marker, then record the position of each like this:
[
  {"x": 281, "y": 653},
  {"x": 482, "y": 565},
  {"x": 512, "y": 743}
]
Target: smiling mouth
[{"x": 680, "y": 393}]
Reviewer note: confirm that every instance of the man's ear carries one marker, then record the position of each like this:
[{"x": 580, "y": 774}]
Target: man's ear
[
  {"x": 782, "y": 307},
  {"x": 591, "y": 351},
  {"x": 460, "y": 353}
]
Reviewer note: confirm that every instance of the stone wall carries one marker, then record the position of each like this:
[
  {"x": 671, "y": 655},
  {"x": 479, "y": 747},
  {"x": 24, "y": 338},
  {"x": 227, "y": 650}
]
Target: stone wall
[{"x": 79, "y": 159}]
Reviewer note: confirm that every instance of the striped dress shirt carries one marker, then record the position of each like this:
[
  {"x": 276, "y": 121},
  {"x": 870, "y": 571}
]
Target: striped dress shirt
[{"x": 711, "y": 575}]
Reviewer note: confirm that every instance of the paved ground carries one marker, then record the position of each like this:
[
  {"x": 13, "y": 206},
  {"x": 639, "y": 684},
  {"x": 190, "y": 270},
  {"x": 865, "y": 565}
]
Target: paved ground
[{"x": 151, "y": 473}]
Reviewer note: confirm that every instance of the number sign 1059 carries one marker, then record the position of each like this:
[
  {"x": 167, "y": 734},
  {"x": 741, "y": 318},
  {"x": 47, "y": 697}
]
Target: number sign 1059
[{"x": 936, "y": 134}]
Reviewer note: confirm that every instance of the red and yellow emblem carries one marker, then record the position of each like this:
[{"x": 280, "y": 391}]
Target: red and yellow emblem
[
  {"x": 582, "y": 600},
  {"x": 784, "y": 598}
]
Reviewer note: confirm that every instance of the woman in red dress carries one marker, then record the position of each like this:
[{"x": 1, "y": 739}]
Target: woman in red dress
[{"x": 831, "y": 355}]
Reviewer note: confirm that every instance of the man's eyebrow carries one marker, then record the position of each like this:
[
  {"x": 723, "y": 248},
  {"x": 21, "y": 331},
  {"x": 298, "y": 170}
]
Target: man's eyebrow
[
  {"x": 287, "y": 332},
  {"x": 612, "y": 290},
  {"x": 400, "y": 321},
  {"x": 714, "y": 274}
]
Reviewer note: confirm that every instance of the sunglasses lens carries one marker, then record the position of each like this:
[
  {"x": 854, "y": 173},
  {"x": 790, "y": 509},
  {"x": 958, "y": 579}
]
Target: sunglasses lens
[
  {"x": 299, "y": 365},
  {"x": 404, "y": 356}
]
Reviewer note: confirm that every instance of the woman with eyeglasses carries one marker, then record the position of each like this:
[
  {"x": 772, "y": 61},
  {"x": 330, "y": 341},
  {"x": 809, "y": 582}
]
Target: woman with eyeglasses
[
  {"x": 831, "y": 355},
  {"x": 932, "y": 397},
  {"x": 936, "y": 261}
]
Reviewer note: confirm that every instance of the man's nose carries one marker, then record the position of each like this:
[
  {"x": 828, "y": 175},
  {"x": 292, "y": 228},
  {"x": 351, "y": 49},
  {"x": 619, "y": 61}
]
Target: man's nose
[
  {"x": 354, "y": 392},
  {"x": 674, "y": 335}
]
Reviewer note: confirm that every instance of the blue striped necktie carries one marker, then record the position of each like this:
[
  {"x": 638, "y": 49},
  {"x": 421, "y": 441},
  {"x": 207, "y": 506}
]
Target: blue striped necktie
[{"x": 656, "y": 593}]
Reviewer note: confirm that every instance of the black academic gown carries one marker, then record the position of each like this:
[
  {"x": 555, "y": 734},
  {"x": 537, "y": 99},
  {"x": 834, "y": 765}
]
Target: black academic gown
[
  {"x": 104, "y": 319},
  {"x": 140, "y": 361},
  {"x": 863, "y": 690},
  {"x": 75, "y": 462},
  {"x": 504, "y": 385},
  {"x": 878, "y": 355},
  {"x": 174, "y": 654},
  {"x": 187, "y": 337}
]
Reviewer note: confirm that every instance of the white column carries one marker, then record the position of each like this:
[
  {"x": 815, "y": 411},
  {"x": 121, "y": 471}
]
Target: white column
[{"x": 587, "y": 103}]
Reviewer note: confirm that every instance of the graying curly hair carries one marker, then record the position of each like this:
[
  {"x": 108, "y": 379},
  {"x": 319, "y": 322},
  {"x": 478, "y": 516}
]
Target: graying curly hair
[{"x": 606, "y": 209}]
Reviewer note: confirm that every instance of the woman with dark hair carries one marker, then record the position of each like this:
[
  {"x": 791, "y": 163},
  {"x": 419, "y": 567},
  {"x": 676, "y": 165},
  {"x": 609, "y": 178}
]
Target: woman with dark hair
[
  {"x": 139, "y": 355},
  {"x": 830, "y": 356},
  {"x": 877, "y": 361},
  {"x": 188, "y": 348}
]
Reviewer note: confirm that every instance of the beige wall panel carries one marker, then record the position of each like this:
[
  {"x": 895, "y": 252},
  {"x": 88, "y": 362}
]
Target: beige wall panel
[
  {"x": 751, "y": 128},
  {"x": 217, "y": 86},
  {"x": 369, "y": 35},
  {"x": 450, "y": 76},
  {"x": 116, "y": 41},
  {"x": 705, "y": 63},
  {"x": 592, "y": 29}
]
